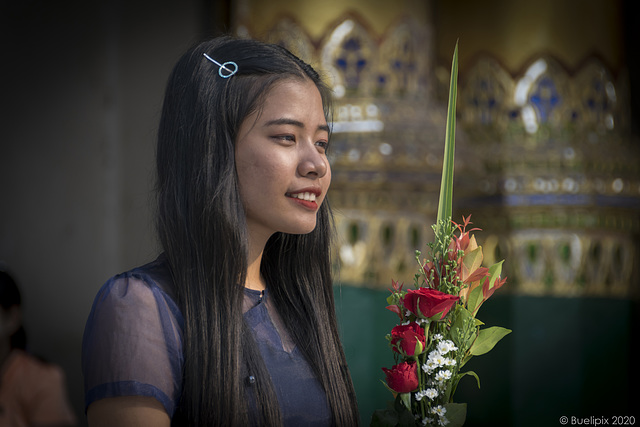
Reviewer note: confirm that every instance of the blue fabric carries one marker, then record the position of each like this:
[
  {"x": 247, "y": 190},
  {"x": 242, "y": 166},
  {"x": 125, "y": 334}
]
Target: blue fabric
[
  {"x": 132, "y": 346},
  {"x": 132, "y": 342},
  {"x": 302, "y": 399}
]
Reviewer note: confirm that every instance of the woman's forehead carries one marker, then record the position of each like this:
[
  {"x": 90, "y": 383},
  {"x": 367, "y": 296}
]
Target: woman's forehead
[{"x": 293, "y": 96}]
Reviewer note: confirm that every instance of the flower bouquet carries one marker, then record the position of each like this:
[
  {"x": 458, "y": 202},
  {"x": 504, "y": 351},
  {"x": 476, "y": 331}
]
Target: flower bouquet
[{"x": 438, "y": 331}]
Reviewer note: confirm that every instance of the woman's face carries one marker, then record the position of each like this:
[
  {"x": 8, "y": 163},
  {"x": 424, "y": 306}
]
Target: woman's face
[{"x": 281, "y": 163}]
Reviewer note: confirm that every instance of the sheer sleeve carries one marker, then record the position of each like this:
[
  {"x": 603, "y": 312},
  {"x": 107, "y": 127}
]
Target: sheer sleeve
[{"x": 132, "y": 344}]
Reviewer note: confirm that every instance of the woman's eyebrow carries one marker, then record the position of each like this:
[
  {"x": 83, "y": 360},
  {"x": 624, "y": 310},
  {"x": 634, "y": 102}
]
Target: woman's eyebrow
[
  {"x": 324, "y": 128},
  {"x": 284, "y": 121},
  {"x": 293, "y": 122}
]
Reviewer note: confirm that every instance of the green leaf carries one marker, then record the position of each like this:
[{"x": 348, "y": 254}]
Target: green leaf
[
  {"x": 475, "y": 298},
  {"x": 473, "y": 374},
  {"x": 471, "y": 262},
  {"x": 445, "y": 203},
  {"x": 406, "y": 400},
  {"x": 487, "y": 339},
  {"x": 494, "y": 273},
  {"x": 394, "y": 415},
  {"x": 405, "y": 417},
  {"x": 456, "y": 414},
  {"x": 384, "y": 418}
]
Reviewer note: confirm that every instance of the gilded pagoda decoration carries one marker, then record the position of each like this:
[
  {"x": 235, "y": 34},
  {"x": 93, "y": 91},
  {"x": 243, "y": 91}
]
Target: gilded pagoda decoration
[
  {"x": 561, "y": 183},
  {"x": 545, "y": 160}
]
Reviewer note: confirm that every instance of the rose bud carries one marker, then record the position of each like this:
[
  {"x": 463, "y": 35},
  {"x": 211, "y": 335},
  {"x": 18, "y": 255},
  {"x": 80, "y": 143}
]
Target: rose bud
[
  {"x": 408, "y": 339},
  {"x": 403, "y": 377}
]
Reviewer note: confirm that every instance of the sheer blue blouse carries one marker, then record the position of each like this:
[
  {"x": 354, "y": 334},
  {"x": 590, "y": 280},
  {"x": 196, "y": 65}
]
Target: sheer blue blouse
[{"x": 132, "y": 346}]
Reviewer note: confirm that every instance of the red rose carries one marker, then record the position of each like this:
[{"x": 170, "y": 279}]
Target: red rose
[
  {"x": 429, "y": 302},
  {"x": 403, "y": 377},
  {"x": 405, "y": 338}
]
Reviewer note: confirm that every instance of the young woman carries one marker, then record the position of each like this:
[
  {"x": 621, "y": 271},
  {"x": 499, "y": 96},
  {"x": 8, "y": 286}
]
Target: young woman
[{"x": 234, "y": 323}]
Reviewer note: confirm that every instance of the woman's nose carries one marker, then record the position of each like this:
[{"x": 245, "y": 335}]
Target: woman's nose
[{"x": 313, "y": 162}]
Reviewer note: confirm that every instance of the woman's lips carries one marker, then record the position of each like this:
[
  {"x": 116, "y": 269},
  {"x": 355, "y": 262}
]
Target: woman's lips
[
  {"x": 305, "y": 195},
  {"x": 304, "y": 198}
]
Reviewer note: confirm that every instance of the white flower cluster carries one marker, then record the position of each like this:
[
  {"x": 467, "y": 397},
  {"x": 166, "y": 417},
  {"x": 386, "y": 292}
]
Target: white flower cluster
[
  {"x": 436, "y": 367},
  {"x": 437, "y": 360},
  {"x": 442, "y": 376},
  {"x": 440, "y": 411},
  {"x": 437, "y": 357},
  {"x": 441, "y": 420},
  {"x": 431, "y": 393},
  {"x": 445, "y": 346}
]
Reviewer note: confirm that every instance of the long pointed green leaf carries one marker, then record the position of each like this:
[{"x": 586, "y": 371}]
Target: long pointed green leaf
[
  {"x": 487, "y": 339},
  {"x": 445, "y": 203}
]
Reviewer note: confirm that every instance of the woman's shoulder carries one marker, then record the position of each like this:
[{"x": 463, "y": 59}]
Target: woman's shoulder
[
  {"x": 154, "y": 273},
  {"x": 134, "y": 307},
  {"x": 132, "y": 343},
  {"x": 149, "y": 286}
]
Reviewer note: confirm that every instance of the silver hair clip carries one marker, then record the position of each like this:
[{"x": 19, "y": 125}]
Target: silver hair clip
[{"x": 229, "y": 72}]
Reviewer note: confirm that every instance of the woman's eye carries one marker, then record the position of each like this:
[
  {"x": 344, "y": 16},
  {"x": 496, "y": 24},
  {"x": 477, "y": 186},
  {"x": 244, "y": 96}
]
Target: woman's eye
[
  {"x": 323, "y": 144},
  {"x": 285, "y": 138}
]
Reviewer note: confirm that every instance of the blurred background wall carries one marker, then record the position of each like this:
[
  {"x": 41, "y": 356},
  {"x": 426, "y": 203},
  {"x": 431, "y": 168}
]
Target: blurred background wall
[
  {"x": 547, "y": 163},
  {"x": 82, "y": 86}
]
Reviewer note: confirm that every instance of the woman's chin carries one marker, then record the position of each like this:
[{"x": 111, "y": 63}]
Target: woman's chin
[{"x": 300, "y": 228}]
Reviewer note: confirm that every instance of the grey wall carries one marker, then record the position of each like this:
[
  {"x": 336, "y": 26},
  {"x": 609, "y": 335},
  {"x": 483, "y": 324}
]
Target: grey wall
[{"x": 81, "y": 91}]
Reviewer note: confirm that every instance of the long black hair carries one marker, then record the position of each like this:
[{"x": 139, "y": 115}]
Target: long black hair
[{"x": 202, "y": 228}]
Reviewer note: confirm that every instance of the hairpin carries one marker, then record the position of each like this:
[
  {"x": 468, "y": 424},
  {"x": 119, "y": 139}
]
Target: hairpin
[{"x": 229, "y": 72}]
